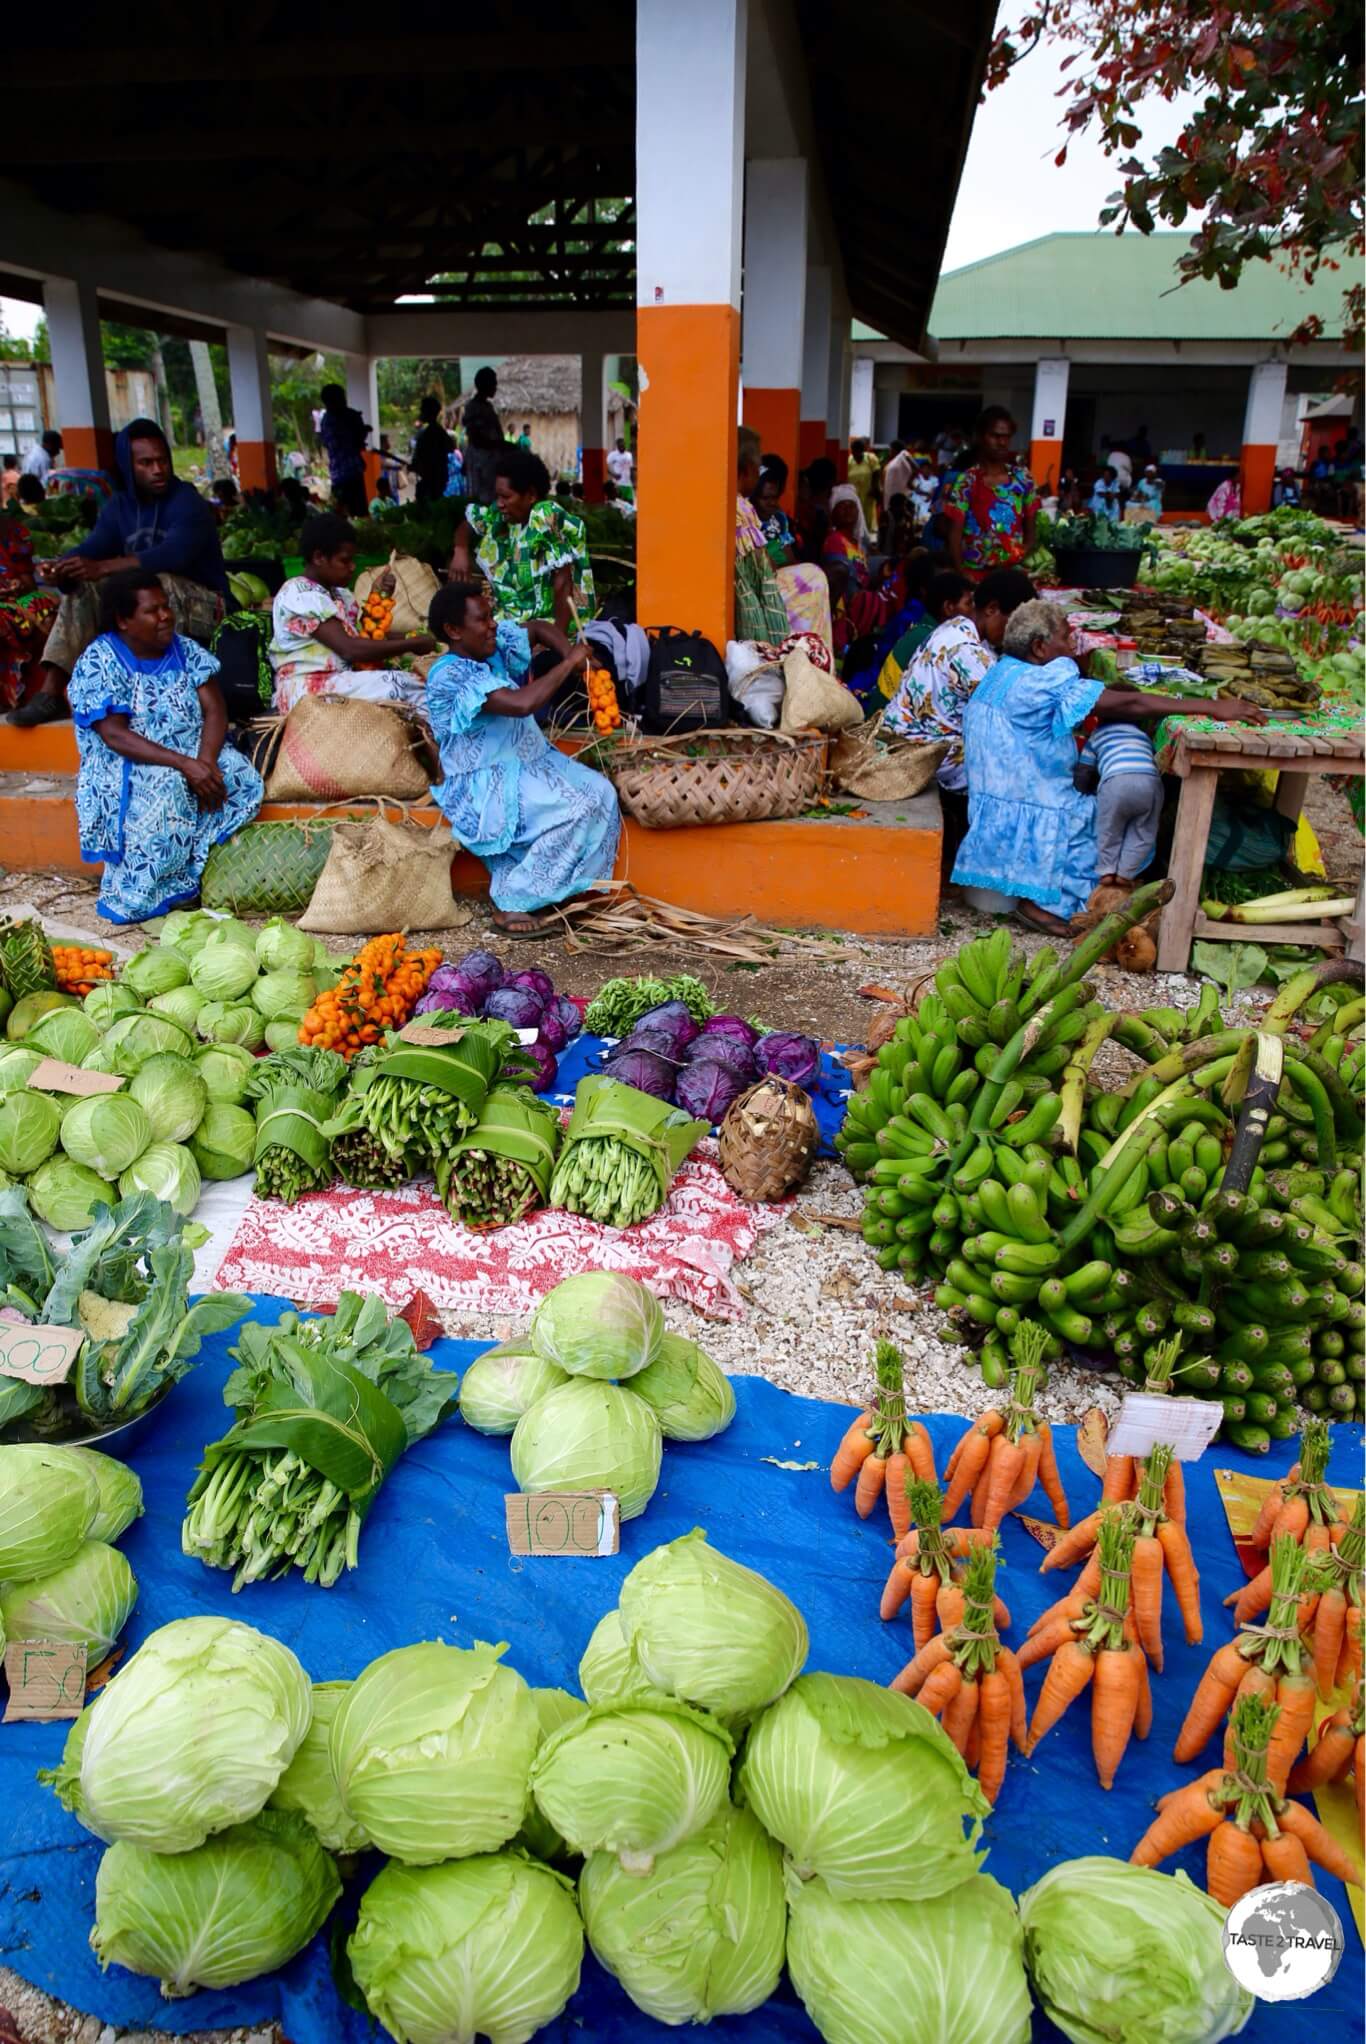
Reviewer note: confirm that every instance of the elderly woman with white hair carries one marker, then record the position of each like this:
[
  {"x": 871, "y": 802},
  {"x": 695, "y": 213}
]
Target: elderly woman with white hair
[{"x": 1031, "y": 832}]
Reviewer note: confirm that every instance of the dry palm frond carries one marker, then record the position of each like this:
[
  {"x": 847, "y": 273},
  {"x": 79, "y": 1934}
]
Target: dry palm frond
[{"x": 613, "y": 917}]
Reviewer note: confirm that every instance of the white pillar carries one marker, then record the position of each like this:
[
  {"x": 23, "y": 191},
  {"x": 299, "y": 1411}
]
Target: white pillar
[
  {"x": 252, "y": 417},
  {"x": 82, "y": 395},
  {"x": 362, "y": 390},
  {"x": 861, "y": 398},
  {"x": 816, "y": 349},
  {"x": 1049, "y": 419},
  {"x": 593, "y": 424},
  {"x": 1261, "y": 434},
  {"x": 841, "y": 372}
]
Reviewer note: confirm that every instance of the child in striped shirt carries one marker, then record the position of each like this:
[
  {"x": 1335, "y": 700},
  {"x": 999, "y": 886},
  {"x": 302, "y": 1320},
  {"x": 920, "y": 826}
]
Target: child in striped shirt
[{"x": 1128, "y": 801}]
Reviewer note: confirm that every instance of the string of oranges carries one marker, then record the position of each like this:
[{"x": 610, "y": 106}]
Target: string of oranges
[
  {"x": 603, "y": 706},
  {"x": 79, "y": 967},
  {"x": 378, "y": 990}
]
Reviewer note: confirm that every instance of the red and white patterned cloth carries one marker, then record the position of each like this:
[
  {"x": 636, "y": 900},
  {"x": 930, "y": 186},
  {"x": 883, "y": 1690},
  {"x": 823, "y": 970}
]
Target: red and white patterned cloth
[{"x": 397, "y": 1243}]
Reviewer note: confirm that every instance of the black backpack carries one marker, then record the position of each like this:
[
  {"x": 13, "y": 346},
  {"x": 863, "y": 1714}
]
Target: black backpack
[{"x": 685, "y": 687}]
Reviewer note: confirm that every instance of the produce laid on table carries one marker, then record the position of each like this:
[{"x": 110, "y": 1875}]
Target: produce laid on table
[
  {"x": 620, "y": 1152},
  {"x": 61, "y": 1577}
]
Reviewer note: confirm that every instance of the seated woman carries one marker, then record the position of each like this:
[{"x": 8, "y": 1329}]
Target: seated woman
[
  {"x": 26, "y": 611},
  {"x": 874, "y": 671},
  {"x": 1031, "y": 833},
  {"x": 532, "y": 549},
  {"x": 774, "y": 597},
  {"x": 544, "y": 826},
  {"x": 157, "y": 785},
  {"x": 316, "y": 647}
]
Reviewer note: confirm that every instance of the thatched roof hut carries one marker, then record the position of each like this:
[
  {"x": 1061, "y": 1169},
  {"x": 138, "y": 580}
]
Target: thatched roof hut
[{"x": 542, "y": 392}]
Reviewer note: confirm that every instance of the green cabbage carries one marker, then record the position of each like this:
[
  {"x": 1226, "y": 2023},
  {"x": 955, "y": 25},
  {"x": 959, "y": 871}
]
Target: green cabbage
[
  {"x": 109, "y": 1002},
  {"x": 632, "y": 1778},
  {"x": 431, "y": 1750},
  {"x": 15, "y": 1066},
  {"x": 47, "y": 1505},
  {"x": 282, "y": 948},
  {"x": 105, "y": 1131},
  {"x": 864, "y": 1788},
  {"x": 587, "y": 1436},
  {"x": 1118, "y": 1954},
  {"x": 609, "y": 1669},
  {"x": 225, "y": 1022},
  {"x": 87, "y": 1601},
  {"x": 192, "y": 1735},
  {"x": 170, "y": 1171},
  {"x": 225, "y": 1141},
  {"x": 283, "y": 1033},
  {"x": 100, "y": 1059},
  {"x": 241, "y": 1904},
  {"x": 283, "y": 993},
  {"x": 943, "y": 1970},
  {"x": 182, "y": 1006},
  {"x": 120, "y": 1491},
  {"x": 31, "y": 1007},
  {"x": 554, "y": 1707},
  {"x": 222, "y": 969},
  {"x": 173, "y": 1095},
  {"x": 599, "y": 1323},
  {"x": 488, "y": 1947},
  {"x": 503, "y": 1383},
  {"x": 707, "y": 1629},
  {"x": 65, "y": 1195},
  {"x": 225, "y": 1069},
  {"x": 155, "y": 971},
  {"x": 30, "y": 1124},
  {"x": 690, "y": 1393},
  {"x": 703, "y": 1933},
  {"x": 308, "y": 1784},
  {"x": 64, "y": 1033},
  {"x": 135, "y": 1038},
  {"x": 186, "y": 929}
]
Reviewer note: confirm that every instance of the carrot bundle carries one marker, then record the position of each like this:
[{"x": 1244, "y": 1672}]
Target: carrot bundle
[
  {"x": 1101, "y": 1649},
  {"x": 1124, "y": 1473},
  {"x": 967, "y": 1679},
  {"x": 1334, "y": 1628},
  {"x": 1254, "y": 1833},
  {"x": 1265, "y": 1660},
  {"x": 1337, "y": 1754},
  {"x": 925, "y": 1560},
  {"x": 999, "y": 1464},
  {"x": 1302, "y": 1507},
  {"x": 882, "y": 1449}
]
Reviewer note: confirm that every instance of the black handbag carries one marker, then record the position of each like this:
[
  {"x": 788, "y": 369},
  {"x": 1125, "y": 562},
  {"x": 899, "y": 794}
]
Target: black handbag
[{"x": 685, "y": 686}]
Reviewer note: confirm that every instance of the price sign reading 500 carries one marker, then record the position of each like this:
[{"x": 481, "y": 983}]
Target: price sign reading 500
[{"x": 38, "y": 1355}]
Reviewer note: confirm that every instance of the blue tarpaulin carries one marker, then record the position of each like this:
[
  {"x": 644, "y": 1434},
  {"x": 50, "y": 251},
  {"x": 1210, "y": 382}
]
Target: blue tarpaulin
[{"x": 435, "y": 1565}]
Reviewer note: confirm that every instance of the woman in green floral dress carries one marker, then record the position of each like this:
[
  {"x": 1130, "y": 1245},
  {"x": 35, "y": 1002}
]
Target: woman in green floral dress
[{"x": 532, "y": 551}]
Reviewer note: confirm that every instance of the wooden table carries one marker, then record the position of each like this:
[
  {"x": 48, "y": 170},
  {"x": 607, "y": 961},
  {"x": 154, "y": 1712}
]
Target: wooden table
[{"x": 1198, "y": 760}]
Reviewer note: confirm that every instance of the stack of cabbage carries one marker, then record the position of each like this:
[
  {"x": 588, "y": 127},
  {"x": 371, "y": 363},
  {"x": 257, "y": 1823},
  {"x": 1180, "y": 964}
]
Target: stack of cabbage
[
  {"x": 60, "y": 1576},
  {"x": 572, "y": 1426}
]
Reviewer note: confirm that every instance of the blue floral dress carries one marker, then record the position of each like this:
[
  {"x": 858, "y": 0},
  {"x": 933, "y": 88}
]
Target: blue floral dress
[
  {"x": 544, "y": 826},
  {"x": 1030, "y": 832},
  {"x": 144, "y": 821}
]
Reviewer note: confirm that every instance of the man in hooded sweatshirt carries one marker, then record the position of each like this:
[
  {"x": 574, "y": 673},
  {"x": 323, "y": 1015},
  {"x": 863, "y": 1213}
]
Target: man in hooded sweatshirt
[{"x": 155, "y": 522}]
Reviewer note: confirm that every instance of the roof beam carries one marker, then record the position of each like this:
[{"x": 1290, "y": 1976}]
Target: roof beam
[
  {"x": 470, "y": 57},
  {"x": 71, "y": 141}
]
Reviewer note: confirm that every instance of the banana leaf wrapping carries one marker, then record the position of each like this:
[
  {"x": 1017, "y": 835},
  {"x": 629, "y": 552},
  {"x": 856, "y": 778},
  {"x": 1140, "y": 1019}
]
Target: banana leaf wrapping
[
  {"x": 293, "y": 1154},
  {"x": 358, "y": 1157},
  {"x": 637, "y": 1144},
  {"x": 502, "y": 1169},
  {"x": 423, "y": 1097}
]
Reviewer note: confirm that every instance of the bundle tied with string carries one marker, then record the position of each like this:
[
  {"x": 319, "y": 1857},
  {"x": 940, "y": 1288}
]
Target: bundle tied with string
[
  {"x": 621, "y": 1150},
  {"x": 501, "y": 1170},
  {"x": 424, "y": 1095},
  {"x": 296, "y": 1093}
]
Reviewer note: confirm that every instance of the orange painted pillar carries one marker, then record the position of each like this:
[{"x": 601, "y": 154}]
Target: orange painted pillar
[
  {"x": 774, "y": 324},
  {"x": 249, "y": 381},
  {"x": 774, "y": 416},
  {"x": 810, "y": 441},
  {"x": 1048, "y": 421},
  {"x": 87, "y": 447},
  {"x": 690, "y": 101},
  {"x": 256, "y": 465},
  {"x": 1261, "y": 433},
  {"x": 82, "y": 395}
]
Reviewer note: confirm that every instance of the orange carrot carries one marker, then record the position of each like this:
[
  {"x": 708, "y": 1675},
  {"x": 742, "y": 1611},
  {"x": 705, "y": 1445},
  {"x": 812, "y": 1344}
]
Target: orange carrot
[
  {"x": 876, "y": 1436},
  {"x": 924, "y": 1591},
  {"x": 1143, "y": 1713},
  {"x": 1147, "y": 1591},
  {"x": 1118, "y": 1484},
  {"x": 940, "y": 1687},
  {"x": 852, "y": 1452},
  {"x": 1213, "y": 1696},
  {"x": 1233, "y": 1864},
  {"x": 1285, "y": 1859},
  {"x": 1174, "y": 1494},
  {"x": 1349, "y": 1666},
  {"x": 1318, "y": 1842},
  {"x": 1049, "y": 1477},
  {"x": 871, "y": 1478},
  {"x": 919, "y": 1451},
  {"x": 1003, "y": 1472},
  {"x": 988, "y": 1423},
  {"x": 1295, "y": 1695},
  {"x": 898, "y": 1504},
  {"x": 1330, "y": 1625},
  {"x": 976, "y": 1447},
  {"x": 1292, "y": 1518},
  {"x": 1031, "y": 1447},
  {"x": 1008, "y": 1662},
  {"x": 959, "y": 1713},
  {"x": 1185, "y": 1578},
  {"x": 1075, "y": 1543},
  {"x": 931, "y": 1656},
  {"x": 1329, "y": 1757},
  {"x": 1042, "y": 1645},
  {"x": 1114, "y": 1703},
  {"x": 1252, "y": 1598},
  {"x": 1069, "y": 1671},
  {"x": 1183, "y": 1816},
  {"x": 902, "y": 1578},
  {"x": 993, "y": 1717}
]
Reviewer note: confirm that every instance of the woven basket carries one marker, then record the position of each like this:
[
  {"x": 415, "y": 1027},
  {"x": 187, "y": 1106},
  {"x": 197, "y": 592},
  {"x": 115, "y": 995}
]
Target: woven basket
[{"x": 715, "y": 776}]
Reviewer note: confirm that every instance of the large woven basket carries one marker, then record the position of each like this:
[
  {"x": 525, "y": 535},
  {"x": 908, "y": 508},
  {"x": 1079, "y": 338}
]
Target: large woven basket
[{"x": 715, "y": 776}]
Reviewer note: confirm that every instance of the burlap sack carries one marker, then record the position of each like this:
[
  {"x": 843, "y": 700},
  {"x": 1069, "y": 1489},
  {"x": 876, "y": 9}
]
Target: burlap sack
[
  {"x": 882, "y": 768},
  {"x": 415, "y": 584},
  {"x": 384, "y": 875},
  {"x": 814, "y": 700},
  {"x": 332, "y": 747}
]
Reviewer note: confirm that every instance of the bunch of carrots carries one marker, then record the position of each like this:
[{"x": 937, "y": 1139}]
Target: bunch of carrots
[
  {"x": 1003, "y": 1454},
  {"x": 603, "y": 707},
  {"x": 79, "y": 967},
  {"x": 1301, "y": 1505},
  {"x": 883, "y": 1449},
  {"x": 927, "y": 1568},
  {"x": 1269, "y": 1661},
  {"x": 1100, "y": 1649},
  {"x": 1124, "y": 1473},
  {"x": 1161, "y": 1548},
  {"x": 378, "y": 991},
  {"x": 966, "y": 1678},
  {"x": 1254, "y": 1833},
  {"x": 1337, "y": 1754}
]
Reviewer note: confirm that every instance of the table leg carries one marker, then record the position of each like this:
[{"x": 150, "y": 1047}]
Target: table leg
[
  {"x": 1187, "y": 869},
  {"x": 1290, "y": 794}
]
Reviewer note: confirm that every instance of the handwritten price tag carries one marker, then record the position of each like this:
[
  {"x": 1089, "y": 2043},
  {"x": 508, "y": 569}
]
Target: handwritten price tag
[
  {"x": 46, "y": 1679},
  {"x": 564, "y": 1522},
  {"x": 55, "y": 1076},
  {"x": 38, "y": 1355}
]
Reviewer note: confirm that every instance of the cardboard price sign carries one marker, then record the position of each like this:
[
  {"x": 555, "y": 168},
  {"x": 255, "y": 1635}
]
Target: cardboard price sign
[
  {"x": 563, "y": 1522},
  {"x": 38, "y": 1355},
  {"x": 430, "y": 1038},
  {"x": 1146, "y": 1421},
  {"x": 53, "y": 1076},
  {"x": 46, "y": 1679}
]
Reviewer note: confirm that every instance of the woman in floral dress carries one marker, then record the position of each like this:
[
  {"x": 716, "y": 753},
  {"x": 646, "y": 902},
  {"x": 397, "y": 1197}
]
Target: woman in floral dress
[
  {"x": 532, "y": 551},
  {"x": 992, "y": 506},
  {"x": 157, "y": 785},
  {"x": 316, "y": 647}
]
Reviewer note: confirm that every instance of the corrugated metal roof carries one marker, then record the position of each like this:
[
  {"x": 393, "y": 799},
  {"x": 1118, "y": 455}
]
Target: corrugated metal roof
[{"x": 1121, "y": 288}]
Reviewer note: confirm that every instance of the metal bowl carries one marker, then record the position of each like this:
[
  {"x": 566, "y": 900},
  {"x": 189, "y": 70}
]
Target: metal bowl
[{"x": 82, "y": 1433}]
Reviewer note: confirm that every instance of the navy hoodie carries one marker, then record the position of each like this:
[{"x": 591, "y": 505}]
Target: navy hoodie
[{"x": 172, "y": 535}]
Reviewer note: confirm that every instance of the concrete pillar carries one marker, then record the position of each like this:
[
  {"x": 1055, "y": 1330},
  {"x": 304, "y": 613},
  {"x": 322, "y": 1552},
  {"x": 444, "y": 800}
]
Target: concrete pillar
[
  {"x": 362, "y": 391},
  {"x": 253, "y": 423},
  {"x": 841, "y": 371},
  {"x": 1261, "y": 434},
  {"x": 82, "y": 395},
  {"x": 816, "y": 350},
  {"x": 772, "y": 343},
  {"x": 1049, "y": 419},
  {"x": 690, "y": 111},
  {"x": 593, "y": 425},
  {"x": 861, "y": 398}
]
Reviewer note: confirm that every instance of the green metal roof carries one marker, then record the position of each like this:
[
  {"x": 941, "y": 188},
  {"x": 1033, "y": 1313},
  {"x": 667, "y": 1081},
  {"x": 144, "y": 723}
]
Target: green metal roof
[{"x": 1103, "y": 286}]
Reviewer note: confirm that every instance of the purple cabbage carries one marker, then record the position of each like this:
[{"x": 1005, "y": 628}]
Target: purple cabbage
[
  {"x": 722, "y": 1050},
  {"x": 662, "y": 1042},
  {"x": 516, "y": 1005},
  {"x": 545, "y": 1073},
  {"x": 552, "y": 1030},
  {"x": 706, "y": 1089},
  {"x": 482, "y": 970},
  {"x": 788, "y": 1055},
  {"x": 570, "y": 1015},
  {"x": 449, "y": 987},
  {"x": 534, "y": 981},
  {"x": 643, "y": 1070},
  {"x": 673, "y": 1016},
  {"x": 731, "y": 1025}
]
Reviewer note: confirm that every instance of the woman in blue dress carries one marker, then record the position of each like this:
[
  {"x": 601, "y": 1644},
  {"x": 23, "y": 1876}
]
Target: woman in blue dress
[
  {"x": 157, "y": 785},
  {"x": 1031, "y": 832},
  {"x": 544, "y": 826}
]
